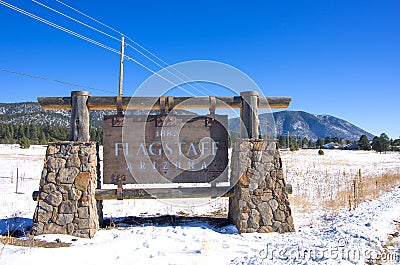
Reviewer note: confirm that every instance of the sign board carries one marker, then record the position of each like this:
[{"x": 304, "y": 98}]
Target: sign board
[{"x": 165, "y": 149}]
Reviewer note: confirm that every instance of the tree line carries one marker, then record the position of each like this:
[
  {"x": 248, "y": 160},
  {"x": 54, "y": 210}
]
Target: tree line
[
  {"x": 380, "y": 143},
  {"x": 296, "y": 142},
  {"x": 26, "y": 135}
]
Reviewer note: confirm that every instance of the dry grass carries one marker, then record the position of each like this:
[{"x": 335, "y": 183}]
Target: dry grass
[
  {"x": 31, "y": 242},
  {"x": 338, "y": 179},
  {"x": 363, "y": 188}
]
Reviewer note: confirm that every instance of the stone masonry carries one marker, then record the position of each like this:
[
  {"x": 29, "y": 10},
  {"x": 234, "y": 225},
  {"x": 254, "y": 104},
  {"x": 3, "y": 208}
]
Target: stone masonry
[
  {"x": 261, "y": 202},
  {"x": 66, "y": 202}
]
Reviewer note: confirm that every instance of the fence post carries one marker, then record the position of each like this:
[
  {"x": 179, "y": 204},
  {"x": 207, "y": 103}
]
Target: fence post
[
  {"x": 16, "y": 184},
  {"x": 79, "y": 116},
  {"x": 249, "y": 115}
]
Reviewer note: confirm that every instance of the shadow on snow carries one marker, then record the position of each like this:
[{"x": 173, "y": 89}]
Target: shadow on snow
[{"x": 219, "y": 225}]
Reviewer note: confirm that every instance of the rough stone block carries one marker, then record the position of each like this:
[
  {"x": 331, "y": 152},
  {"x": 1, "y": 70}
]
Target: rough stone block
[
  {"x": 51, "y": 178},
  {"x": 74, "y": 194},
  {"x": 42, "y": 195},
  {"x": 83, "y": 212},
  {"x": 51, "y": 150},
  {"x": 53, "y": 228},
  {"x": 82, "y": 181},
  {"x": 73, "y": 161},
  {"x": 64, "y": 219},
  {"x": 260, "y": 146},
  {"x": 43, "y": 216},
  {"x": 45, "y": 206},
  {"x": 84, "y": 201},
  {"x": 49, "y": 188},
  {"x": 55, "y": 164},
  {"x": 54, "y": 198},
  {"x": 37, "y": 229},
  {"x": 67, "y": 207},
  {"x": 274, "y": 204},
  {"x": 244, "y": 180},
  {"x": 67, "y": 175},
  {"x": 83, "y": 224}
]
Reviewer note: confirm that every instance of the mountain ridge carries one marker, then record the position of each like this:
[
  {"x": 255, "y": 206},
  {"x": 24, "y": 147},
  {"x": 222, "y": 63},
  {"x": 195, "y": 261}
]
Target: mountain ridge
[{"x": 317, "y": 126}]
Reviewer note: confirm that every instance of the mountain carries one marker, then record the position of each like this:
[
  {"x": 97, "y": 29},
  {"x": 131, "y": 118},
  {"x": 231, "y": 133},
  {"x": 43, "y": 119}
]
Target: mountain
[
  {"x": 297, "y": 123},
  {"x": 303, "y": 124},
  {"x": 25, "y": 113},
  {"x": 31, "y": 113}
]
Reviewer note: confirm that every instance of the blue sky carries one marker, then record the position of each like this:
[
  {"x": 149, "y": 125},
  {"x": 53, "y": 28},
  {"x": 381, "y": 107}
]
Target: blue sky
[{"x": 333, "y": 57}]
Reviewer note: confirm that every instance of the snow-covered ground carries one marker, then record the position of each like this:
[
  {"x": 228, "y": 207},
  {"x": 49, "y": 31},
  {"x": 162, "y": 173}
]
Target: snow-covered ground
[{"x": 321, "y": 237}]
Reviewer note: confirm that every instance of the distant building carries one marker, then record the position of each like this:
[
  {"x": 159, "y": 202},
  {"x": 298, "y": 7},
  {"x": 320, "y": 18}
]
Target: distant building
[
  {"x": 351, "y": 146},
  {"x": 332, "y": 146}
]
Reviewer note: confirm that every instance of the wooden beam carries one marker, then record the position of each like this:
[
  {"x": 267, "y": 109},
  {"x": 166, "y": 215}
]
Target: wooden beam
[
  {"x": 163, "y": 193},
  {"x": 55, "y": 103},
  {"x": 136, "y": 103}
]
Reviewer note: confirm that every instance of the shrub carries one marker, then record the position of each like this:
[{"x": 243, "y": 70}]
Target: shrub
[
  {"x": 294, "y": 147},
  {"x": 24, "y": 143},
  {"x": 320, "y": 152}
]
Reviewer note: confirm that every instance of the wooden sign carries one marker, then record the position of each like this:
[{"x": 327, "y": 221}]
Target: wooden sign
[{"x": 163, "y": 149}]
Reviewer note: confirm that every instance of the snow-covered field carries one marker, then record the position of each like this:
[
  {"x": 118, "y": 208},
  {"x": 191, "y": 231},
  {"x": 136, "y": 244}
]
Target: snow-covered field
[{"x": 322, "y": 236}]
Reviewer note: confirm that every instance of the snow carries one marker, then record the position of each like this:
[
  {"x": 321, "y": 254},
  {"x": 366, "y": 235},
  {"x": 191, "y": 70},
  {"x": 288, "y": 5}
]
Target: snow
[{"x": 327, "y": 237}]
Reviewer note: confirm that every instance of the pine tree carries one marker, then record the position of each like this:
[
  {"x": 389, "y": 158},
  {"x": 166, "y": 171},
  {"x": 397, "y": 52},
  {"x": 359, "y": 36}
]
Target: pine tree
[
  {"x": 396, "y": 145},
  {"x": 363, "y": 143},
  {"x": 311, "y": 144},
  {"x": 328, "y": 140},
  {"x": 320, "y": 142},
  {"x": 377, "y": 144},
  {"x": 304, "y": 143},
  {"x": 42, "y": 137},
  {"x": 385, "y": 142},
  {"x": 282, "y": 141}
]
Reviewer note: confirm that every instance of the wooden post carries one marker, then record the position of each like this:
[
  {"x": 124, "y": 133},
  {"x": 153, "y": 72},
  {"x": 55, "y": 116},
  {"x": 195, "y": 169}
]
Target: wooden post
[
  {"x": 16, "y": 184},
  {"x": 249, "y": 115},
  {"x": 79, "y": 116},
  {"x": 121, "y": 66}
]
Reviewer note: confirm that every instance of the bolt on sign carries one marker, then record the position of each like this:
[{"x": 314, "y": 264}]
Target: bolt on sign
[{"x": 143, "y": 149}]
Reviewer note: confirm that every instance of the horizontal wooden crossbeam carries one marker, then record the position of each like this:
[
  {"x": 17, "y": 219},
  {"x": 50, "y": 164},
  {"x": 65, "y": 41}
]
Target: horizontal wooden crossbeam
[
  {"x": 143, "y": 103},
  {"x": 164, "y": 193}
]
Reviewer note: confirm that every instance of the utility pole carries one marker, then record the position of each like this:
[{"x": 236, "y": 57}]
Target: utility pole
[{"x": 121, "y": 65}]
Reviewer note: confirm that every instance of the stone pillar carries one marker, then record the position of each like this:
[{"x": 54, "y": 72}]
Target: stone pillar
[
  {"x": 261, "y": 202},
  {"x": 66, "y": 200}
]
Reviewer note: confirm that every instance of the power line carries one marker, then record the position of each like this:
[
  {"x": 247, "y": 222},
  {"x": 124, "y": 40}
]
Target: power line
[
  {"x": 165, "y": 63},
  {"x": 58, "y": 27},
  {"x": 157, "y": 74},
  {"x": 83, "y": 14},
  {"x": 73, "y": 19},
  {"x": 93, "y": 41},
  {"x": 55, "y": 80},
  {"x": 82, "y": 37},
  {"x": 137, "y": 50}
]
